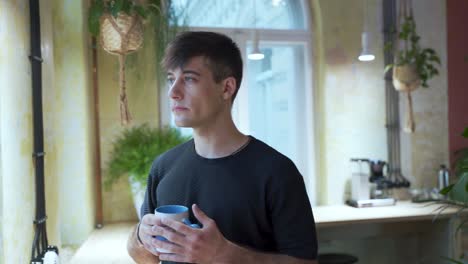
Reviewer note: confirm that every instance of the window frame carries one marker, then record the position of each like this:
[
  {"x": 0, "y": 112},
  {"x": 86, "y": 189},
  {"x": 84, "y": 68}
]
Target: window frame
[{"x": 303, "y": 37}]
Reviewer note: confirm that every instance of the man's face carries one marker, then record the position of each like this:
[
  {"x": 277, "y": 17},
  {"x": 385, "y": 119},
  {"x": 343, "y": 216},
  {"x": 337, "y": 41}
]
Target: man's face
[{"x": 196, "y": 99}]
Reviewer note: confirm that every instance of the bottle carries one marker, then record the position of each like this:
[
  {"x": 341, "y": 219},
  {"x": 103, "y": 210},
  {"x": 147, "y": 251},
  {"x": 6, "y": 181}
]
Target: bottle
[{"x": 443, "y": 177}]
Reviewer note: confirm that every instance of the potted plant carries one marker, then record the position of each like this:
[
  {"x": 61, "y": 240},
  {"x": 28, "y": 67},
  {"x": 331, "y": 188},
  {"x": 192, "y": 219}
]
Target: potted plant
[
  {"x": 133, "y": 152},
  {"x": 119, "y": 26},
  {"x": 414, "y": 66},
  {"x": 457, "y": 193}
]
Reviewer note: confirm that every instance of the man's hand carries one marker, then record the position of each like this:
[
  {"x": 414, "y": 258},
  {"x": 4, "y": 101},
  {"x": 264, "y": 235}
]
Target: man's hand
[
  {"x": 146, "y": 232},
  {"x": 188, "y": 244}
]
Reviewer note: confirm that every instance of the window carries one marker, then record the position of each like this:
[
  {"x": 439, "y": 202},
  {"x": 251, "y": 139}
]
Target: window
[
  {"x": 274, "y": 103},
  {"x": 268, "y": 14}
]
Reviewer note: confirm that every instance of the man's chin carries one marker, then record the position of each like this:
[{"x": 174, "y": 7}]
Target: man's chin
[{"x": 181, "y": 123}]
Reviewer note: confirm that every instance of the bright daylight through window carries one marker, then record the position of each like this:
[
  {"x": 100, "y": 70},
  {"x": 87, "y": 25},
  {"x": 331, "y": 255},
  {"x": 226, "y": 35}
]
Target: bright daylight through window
[{"x": 274, "y": 103}]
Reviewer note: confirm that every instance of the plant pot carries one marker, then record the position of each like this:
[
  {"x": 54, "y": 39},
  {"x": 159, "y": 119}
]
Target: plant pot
[
  {"x": 138, "y": 193},
  {"x": 406, "y": 78},
  {"x": 122, "y": 34}
]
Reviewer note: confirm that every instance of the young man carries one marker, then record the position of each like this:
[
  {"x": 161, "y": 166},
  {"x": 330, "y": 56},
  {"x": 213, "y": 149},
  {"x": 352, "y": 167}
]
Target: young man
[{"x": 249, "y": 199}]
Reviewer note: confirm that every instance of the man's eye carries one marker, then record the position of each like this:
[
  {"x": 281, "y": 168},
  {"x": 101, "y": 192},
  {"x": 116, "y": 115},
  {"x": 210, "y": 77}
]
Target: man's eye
[
  {"x": 170, "y": 81},
  {"x": 189, "y": 79}
]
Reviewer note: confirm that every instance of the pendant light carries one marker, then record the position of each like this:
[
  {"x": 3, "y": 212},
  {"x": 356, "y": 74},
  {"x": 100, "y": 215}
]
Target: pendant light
[
  {"x": 256, "y": 54},
  {"x": 366, "y": 53}
]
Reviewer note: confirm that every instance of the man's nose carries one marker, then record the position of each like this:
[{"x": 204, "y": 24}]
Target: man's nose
[{"x": 175, "y": 90}]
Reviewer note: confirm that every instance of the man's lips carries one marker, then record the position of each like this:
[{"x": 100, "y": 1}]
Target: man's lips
[{"x": 179, "y": 108}]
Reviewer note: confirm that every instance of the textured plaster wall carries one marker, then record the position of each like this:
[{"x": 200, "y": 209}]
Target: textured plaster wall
[
  {"x": 17, "y": 167},
  {"x": 74, "y": 141},
  {"x": 427, "y": 148},
  {"x": 50, "y": 115},
  {"x": 67, "y": 140},
  {"x": 350, "y": 94},
  {"x": 1, "y": 189},
  {"x": 351, "y": 97},
  {"x": 143, "y": 102},
  {"x": 2, "y": 78}
]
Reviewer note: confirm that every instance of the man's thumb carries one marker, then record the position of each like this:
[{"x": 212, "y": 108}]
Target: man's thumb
[{"x": 200, "y": 215}]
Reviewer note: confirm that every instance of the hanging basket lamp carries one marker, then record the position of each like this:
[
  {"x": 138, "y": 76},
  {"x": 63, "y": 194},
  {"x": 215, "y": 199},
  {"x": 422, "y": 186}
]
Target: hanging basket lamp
[
  {"x": 406, "y": 78},
  {"x": 413, "y": 64},
  {"x": 120, "y": 36}
]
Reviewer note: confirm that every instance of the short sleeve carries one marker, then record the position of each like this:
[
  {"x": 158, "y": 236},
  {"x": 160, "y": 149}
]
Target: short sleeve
[
  {"x": 291, "y": 213},
  {"x": 149, "y": 203}
]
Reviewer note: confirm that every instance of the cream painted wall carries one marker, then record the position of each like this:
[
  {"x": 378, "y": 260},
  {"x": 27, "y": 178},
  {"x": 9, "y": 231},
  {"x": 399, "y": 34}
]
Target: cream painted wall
[
  {"x": 50, "y": 115},
  {"x": 2, "y": 65},
  {"x": 67, "y": 126},
  {"x": 143, "y": 103},
  {"x": 427, "y": 148},
  {"x": 73, "y": 121},
  {"x": 17, "y": 141},
  {"x": 351, "y": 115},
  {"x": 350, "y": 94}
]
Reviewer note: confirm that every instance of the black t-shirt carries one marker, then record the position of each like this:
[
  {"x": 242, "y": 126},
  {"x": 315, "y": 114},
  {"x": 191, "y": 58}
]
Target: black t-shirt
[{"x": 256, "y": 197}]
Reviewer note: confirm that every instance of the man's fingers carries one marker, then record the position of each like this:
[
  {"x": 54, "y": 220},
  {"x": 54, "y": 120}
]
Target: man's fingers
[
  {"x": 150, "y": 219},
  {"x": 167, "y": 246},
  {"x": 169, "y": 234},
  {"x": 171, "y": 257},
  {"x": 177, "y": 226},
  {"x": 200, "y": 215},
  {"x": 151, "y": 249},
  {"x": 148, "y": 230}
]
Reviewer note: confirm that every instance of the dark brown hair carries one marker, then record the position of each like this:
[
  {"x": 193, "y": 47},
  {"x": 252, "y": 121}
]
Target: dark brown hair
[{"x": 221, "y": 52}]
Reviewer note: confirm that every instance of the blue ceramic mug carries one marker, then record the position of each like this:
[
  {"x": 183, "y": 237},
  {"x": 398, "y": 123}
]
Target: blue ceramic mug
[{"x": 175, "y": 212}]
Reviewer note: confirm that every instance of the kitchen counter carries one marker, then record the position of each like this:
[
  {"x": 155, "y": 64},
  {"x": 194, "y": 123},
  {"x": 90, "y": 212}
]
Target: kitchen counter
[
  {"x": 334, "y": 215},
  {"x": 403, "y": 233}
]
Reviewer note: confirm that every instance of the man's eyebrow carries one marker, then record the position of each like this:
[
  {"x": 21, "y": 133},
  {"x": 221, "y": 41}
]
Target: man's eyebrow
[{"x": 191, "y": 72}]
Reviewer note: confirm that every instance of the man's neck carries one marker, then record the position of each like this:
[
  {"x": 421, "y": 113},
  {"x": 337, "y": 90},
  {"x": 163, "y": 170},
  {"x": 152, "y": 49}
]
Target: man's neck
[{"x": 218, "y": 140}]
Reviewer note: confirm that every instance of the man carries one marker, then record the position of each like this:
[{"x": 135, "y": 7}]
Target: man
[{"x": 249, "y": 199}]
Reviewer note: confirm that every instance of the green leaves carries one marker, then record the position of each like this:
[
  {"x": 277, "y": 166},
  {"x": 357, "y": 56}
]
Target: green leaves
[
  {"x": 447, "y": 189},
  {"x": 140, "y": 11},
  {"x": 95, "y": 12},
  {"x": 114, "y": 7},
  {"x": 425, "y": 60},
  {"x": 388, "y": 67},
  {"x": 134, "y": 150},
  {"x": 461, "y": 161},
  {"x": 465, "y": 133}
]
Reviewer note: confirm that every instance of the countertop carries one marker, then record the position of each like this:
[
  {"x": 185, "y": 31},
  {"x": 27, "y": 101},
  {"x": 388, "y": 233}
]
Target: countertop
[{"x": 334, "y": 215}]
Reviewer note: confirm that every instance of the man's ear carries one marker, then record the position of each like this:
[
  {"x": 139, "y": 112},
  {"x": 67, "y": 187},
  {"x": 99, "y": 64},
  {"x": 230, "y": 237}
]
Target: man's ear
[{"x": 229, "y": 88}]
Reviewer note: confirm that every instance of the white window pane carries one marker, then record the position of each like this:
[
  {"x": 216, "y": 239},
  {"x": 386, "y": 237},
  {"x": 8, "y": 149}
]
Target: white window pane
[
  {"x": 276, "y": 96},
  {"x": 266, "y": 14}
]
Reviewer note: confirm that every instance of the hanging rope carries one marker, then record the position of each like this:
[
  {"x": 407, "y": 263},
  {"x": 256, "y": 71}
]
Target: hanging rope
[
  {"x": 125, "y": 116},
  {"x": 409, "y": 125},
  {"x": 121, "y": 36},
  {"x": 405, "y": 77}
]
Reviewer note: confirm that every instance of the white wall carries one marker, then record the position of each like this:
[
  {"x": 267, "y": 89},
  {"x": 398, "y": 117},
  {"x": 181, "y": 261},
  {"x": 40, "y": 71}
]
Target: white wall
[
  {"x": 351, "y": 97},
  {"x": 350, "y": 94},
  {"x": 72, "y": 109},
  {"x": 68, "y": 141},
  {"x": 427, "y": 148},
  {"x": 17, "y": 140}
]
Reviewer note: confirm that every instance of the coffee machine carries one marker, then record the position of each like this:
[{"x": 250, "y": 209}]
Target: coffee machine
[{"x": 369, "y": 186}]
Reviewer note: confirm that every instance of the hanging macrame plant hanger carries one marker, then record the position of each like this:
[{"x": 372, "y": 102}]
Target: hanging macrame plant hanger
[
  {"x": 120, "y": 36},
  {"x": 405, "y": 77}
]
